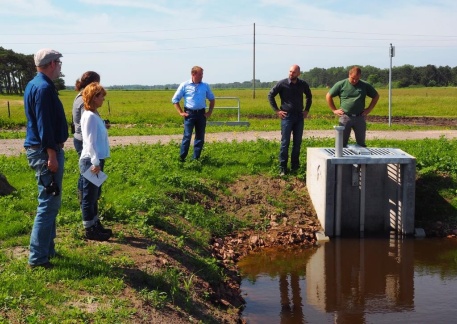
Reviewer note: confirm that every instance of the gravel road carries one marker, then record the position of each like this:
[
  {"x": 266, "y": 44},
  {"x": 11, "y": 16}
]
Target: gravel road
[{"x": 15, "y": 146}]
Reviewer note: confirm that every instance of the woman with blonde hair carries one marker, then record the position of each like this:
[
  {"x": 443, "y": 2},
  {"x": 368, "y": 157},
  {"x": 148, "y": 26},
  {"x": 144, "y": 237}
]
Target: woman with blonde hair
[
  {"x": 95, "y": 150},
  {"x": 77, "y": 111}
]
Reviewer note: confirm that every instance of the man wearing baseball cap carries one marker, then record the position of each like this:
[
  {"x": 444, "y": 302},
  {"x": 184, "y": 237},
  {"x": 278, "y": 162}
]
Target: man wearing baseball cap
[{"x": 47, "y": 131}]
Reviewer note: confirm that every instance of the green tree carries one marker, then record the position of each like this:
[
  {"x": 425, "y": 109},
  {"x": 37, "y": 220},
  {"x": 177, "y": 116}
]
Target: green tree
[
  {"x": 60, "y": 83},
  {"x": 15, "y": 71}
]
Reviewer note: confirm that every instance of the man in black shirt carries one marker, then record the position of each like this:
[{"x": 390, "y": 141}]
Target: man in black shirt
[{"x": 292, "y": 113}]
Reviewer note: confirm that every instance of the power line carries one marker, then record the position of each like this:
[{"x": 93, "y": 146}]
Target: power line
[
  {"x": 158, "y": 50},
  {"x": 132, "y": 41},
  {"x": 353, "y": 38},
  {"x": 348, "y": 46},
  {"x": 121, "y": 32},
  {"x": 362, "y": 33}
]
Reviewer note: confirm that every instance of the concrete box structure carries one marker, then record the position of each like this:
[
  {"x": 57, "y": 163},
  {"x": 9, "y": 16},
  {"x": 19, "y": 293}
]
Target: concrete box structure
[{"x": 366, "y": 191}]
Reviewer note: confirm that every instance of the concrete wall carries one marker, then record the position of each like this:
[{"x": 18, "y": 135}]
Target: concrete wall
[{"x": 387, "y": 202}]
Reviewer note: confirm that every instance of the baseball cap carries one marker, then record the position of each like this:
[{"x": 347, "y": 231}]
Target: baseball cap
[{"x": 45, "y": 56}]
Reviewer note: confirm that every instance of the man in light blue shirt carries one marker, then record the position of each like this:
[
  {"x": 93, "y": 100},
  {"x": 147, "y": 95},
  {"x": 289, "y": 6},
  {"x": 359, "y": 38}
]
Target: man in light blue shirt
[{"x": 194, "y": 93}]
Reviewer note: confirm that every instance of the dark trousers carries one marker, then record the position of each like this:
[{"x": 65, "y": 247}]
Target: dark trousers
[
  {"x": 79, "y": 148},
  {"x": 293, "y": 124},
  {"x": 90, "y": 195},
  {"x": 358, "y": 124}
]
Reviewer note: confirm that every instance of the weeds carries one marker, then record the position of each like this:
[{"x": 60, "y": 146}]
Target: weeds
[
  {"x": 154, "y": 298},
  {"x": 171, "y": 204},
  {"x": 188, "y": 284}
]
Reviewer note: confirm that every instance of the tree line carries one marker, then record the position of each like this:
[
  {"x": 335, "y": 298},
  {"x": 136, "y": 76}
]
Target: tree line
[
  {"x": 402, "y": 77},
  {"x": 16, "y": 70}
]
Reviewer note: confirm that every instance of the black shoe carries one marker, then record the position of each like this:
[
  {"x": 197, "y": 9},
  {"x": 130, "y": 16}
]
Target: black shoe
[
  {"x": 46, "y": 265},
  {"x": 282, "y": 172},
  {"x": 94, "y": 233},
  {"x": 103, "y": 229}
]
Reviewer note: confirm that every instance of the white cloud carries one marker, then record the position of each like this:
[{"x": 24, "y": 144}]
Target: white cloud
[
  {"x": 156, "y": 42},
  {"x": 137, "y": 4},
  {"x": 28, "y": 8}
]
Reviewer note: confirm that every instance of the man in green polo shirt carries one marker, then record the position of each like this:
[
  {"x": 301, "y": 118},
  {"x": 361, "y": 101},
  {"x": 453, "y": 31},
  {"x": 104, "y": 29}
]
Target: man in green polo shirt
[{"x": 352, "y": 92}]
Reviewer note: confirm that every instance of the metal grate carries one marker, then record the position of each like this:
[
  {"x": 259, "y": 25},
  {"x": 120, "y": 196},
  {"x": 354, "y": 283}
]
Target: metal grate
[
  {"x": 373, "y": 152},
  {"x": 382, "y": 151}
]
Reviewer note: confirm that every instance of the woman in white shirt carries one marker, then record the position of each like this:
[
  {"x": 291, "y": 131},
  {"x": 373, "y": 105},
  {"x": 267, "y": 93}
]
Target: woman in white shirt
[
  {"x": 77, "y": 111},
  {"x": 95, "y": 151}
]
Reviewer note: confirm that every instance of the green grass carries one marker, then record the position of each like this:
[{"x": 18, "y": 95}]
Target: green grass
[
  {"x": 149, "y": 192},
  {"x": 151, "y": 112}
]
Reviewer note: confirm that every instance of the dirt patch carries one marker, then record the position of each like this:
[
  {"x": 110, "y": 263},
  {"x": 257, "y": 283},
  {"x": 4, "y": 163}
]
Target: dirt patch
[
  {"x": 403, "y": 120},
  {"x": 279, "y": 210},
  {"x": 414, "y": 121}
]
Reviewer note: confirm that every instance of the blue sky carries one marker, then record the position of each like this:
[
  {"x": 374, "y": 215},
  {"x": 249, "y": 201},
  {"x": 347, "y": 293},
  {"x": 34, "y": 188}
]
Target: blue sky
[{"x": 158, "y": 41}]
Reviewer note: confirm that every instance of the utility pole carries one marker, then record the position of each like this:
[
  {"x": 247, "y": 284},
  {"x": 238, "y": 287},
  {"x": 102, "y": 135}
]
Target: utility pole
[
  {"x": 391, "y": 54},
  {"x": 253, "y": 65}
]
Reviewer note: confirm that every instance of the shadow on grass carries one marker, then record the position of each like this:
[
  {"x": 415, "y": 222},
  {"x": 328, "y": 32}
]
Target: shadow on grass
[
  {"x": 167, "y": 279},
  {"x": 434, "y": 212}
]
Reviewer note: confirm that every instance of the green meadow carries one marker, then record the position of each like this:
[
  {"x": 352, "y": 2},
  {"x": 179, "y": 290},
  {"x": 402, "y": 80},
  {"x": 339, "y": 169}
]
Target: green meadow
[
  {"x": 151, "y": 112},
  {"x": 163, "y": 210},
  {"x": 158, "y": 208}
]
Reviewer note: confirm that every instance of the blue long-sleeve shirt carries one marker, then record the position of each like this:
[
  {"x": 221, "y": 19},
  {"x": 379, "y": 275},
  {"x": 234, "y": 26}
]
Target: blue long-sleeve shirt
[
  {"x": 291, "y": 95},
  {"x": 46, "y": 122},
  {"x": 194, "y": 94}
]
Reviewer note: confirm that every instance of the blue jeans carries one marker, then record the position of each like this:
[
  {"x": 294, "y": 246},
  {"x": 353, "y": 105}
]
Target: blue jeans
[
  {"x": 195, "y": 120},
  {"x": 79, "y": 148},
  {"x": 90, "y": 195},
  {"x": 293, "y": 124},
  {"x": 42, "y": 245}
]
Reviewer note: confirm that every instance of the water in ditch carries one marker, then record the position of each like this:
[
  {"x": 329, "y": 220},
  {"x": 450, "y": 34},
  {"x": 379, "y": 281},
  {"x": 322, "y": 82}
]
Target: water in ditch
[{"x": 383, "y": 280}]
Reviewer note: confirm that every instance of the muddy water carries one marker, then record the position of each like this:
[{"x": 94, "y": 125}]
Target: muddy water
[{"x": 385, "y": 280}]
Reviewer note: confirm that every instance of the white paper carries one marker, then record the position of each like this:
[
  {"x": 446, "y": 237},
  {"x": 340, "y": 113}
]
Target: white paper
[{"x": 96, "y": 179}]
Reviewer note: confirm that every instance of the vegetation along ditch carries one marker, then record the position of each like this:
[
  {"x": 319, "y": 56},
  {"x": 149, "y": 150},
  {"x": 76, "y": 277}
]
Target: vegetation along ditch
[{"x": 179, "y": 230}]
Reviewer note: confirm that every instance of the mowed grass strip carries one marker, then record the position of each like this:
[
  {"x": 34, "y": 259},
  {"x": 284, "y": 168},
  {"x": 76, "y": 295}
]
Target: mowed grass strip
[{"x": 151, "y": 112}]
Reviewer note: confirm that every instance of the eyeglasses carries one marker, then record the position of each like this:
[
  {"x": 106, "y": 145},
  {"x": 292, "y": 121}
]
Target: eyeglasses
[{"x": 58, "y": 62}]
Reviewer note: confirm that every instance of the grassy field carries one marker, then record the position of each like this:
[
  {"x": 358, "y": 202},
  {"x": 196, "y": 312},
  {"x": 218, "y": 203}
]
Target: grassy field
[
  {"x": 153, "y": 201},
  {"x": 151, "y": 112},
  {"x": 152, "y": 195}
]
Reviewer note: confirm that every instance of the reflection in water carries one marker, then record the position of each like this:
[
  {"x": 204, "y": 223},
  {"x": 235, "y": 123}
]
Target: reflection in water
[
  {"x": 360, "y": 276},
  {"x": 296, "y": 311},
  {"x": 288, "y": 266},
  {"x": 353, "y": 281}
]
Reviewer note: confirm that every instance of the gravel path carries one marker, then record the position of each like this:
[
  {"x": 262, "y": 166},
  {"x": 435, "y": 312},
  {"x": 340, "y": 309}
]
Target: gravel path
[{"x": 15, "y": 146}]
